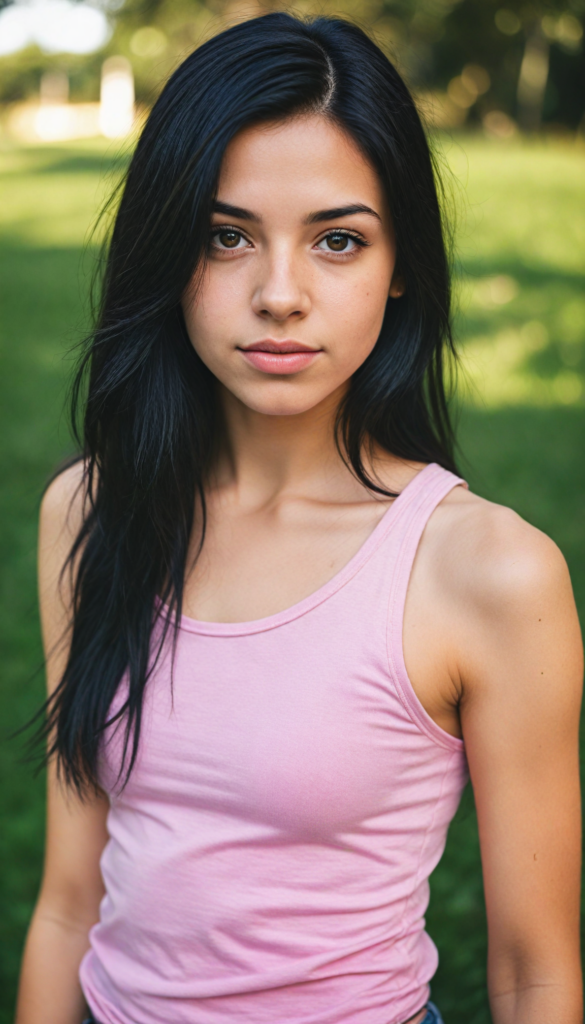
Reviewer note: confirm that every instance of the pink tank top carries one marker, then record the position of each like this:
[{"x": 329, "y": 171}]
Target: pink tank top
[{"x": 268, "y": 861}]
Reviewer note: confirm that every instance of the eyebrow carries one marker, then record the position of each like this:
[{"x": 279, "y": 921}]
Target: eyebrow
[
  {"x": 235, "y": 211},
  {"x": 340, "y": 211},
  {"x": 334, "y": 213}
]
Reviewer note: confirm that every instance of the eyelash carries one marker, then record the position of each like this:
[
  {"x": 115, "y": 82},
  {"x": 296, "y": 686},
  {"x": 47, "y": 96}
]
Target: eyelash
[{"x": 344, "y": 232}]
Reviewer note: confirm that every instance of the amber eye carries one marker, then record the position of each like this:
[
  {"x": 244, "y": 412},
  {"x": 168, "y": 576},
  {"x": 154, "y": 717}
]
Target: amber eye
[
  {"x": 337, "y": 243},
  {"x": 229, "y": 239}
]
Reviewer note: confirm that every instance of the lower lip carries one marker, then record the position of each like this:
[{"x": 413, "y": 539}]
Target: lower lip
[{"x": 274, "y": 362}]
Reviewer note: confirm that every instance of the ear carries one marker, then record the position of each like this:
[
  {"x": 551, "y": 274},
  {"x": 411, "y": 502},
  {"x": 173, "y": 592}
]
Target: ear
[{"x": 397, "y": 286}]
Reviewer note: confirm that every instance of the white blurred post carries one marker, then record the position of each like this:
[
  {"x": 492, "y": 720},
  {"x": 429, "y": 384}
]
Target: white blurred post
[{"x": 116, "y": 98}]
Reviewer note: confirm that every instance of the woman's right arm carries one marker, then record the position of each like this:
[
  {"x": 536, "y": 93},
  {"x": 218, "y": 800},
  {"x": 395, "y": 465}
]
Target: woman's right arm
[{"x": 71, "y": 888}]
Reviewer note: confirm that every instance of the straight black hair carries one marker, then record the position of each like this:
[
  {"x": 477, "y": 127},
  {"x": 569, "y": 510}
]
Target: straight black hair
[{"x": 150, "y": 424}]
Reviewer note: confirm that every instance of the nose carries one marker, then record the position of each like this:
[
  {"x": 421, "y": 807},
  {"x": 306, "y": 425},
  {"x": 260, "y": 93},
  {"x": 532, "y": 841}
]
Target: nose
[{"x": 280, "y": 293}]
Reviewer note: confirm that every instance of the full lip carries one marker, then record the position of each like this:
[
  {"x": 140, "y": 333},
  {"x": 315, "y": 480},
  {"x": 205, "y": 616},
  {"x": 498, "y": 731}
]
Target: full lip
[
  {"x": 279, "y": 357},
  {"x": 277, "y": 347}
]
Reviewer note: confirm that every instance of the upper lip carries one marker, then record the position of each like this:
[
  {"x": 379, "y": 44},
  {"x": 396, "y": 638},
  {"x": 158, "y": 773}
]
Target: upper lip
[{"x": 269, "y": 345}]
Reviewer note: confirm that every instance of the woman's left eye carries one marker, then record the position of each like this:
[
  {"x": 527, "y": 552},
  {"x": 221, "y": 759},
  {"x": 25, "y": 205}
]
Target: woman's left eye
[
  {"x": 339, "y": 242},
  {"x": 228, "y": 238}
]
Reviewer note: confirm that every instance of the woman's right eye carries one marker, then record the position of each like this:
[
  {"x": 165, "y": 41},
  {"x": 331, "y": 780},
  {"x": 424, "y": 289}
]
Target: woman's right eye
[{"x": 228, "y": 239}]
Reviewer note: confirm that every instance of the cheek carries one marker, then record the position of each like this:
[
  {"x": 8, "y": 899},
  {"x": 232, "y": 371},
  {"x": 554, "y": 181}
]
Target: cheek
[
  {"x": 345, "y": 316},
  {"x": 208, "y": 313},
  {"x": 356, "y": 312}
]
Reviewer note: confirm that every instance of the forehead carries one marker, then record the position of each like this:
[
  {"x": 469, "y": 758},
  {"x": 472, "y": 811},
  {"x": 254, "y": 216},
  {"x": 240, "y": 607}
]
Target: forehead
[{"x": 306, "y": 163}]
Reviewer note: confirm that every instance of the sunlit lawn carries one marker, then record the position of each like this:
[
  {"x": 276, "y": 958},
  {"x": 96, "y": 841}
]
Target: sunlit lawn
[{"x": 522, "y": 326}]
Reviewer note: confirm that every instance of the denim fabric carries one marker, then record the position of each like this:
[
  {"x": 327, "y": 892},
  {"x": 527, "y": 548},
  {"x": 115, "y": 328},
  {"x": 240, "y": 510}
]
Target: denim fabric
[{"x": 433, "y": 1016}]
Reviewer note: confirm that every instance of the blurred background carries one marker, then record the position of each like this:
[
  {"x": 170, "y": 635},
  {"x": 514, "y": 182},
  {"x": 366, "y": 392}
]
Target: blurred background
[{"x": 501, "y": 87}]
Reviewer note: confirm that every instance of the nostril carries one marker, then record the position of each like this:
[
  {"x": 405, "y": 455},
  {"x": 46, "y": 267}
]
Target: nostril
[{"x": 285, "y": 316}]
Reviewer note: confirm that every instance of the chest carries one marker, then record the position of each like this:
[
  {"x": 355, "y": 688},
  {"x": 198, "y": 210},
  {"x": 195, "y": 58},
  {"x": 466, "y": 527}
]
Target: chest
[
  {"x": 297, "y": 729},
  {"x": 255, "y": 565}
]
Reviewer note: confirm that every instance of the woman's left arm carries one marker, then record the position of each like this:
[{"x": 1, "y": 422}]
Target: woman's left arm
[{"x": 521, "y": 677}]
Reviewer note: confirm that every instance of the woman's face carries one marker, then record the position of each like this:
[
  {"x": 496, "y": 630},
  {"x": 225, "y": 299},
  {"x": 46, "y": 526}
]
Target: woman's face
[{"x": 302, "y": 256}]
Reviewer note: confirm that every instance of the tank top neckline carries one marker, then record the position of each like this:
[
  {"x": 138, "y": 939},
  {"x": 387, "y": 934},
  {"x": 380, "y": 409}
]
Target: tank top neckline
[{"x": 306, "y": 604}]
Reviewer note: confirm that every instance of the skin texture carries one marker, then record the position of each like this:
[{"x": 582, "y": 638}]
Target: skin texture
[{"x": 491, "y": 636}]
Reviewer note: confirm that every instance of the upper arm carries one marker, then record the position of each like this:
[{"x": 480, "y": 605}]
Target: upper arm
[
  {"x": 60, "y": 520},
  {"x": 520, "y": 664},
  {"x": 76, "y": 829}
]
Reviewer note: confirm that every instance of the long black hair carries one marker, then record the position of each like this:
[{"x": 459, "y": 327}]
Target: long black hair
[{"x": 149, "y": 417}]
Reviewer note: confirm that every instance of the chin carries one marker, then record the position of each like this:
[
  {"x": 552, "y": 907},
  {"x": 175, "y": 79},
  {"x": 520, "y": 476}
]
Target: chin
[{"x": 280, "y": 399}]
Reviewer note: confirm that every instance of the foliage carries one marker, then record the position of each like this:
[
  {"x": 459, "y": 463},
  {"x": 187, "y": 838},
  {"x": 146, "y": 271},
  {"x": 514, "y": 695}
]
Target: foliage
[
  {"x": 522, "y": 220},
  {"x": 21, "y": 73},
  {"x": 494, "y": 36},
  {"x": 432, "y": 42}
]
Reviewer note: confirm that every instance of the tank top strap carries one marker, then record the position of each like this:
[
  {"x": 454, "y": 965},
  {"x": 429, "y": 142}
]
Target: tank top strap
[
  {"x": 414, "y": 507},
  {"x": 418, "y": 500}
]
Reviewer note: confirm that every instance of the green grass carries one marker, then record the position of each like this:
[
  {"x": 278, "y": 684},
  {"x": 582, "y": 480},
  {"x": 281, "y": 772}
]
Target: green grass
[{"x": 522, "y": 327}]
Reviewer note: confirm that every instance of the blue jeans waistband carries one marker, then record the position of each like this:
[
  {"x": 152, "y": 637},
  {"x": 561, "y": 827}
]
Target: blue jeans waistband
[{"x": 433, "y": 1016}]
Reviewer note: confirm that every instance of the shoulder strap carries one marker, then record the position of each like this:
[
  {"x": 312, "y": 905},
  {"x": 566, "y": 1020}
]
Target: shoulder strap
[{"x": 419, "y": 503}]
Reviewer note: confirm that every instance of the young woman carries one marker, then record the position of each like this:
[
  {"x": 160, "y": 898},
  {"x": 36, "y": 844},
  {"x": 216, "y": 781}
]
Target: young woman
[{"x": 285, "y": 625}]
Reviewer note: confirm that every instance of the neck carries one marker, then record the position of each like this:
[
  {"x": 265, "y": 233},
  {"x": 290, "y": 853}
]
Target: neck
[{"x": 269, "y": 456}]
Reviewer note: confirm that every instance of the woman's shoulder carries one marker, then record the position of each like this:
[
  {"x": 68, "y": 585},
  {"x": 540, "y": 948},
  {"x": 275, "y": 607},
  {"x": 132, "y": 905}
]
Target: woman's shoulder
[
  {"x": 62, "y": 512},
  {"x": 479, "y": 550},
  {"x": 502, "y": 598},
  {"x": 63, "y": 500},
  {"x": 490, "y": 556}
]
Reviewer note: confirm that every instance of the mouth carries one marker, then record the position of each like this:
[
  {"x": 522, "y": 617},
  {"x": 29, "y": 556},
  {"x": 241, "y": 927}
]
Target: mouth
[{"x": 279, "y": 356}]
